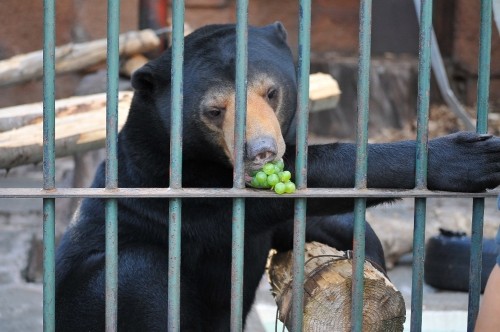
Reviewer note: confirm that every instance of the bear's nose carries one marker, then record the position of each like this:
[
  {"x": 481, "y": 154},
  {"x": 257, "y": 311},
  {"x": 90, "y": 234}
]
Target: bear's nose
[{"x": 261, "y": 150}]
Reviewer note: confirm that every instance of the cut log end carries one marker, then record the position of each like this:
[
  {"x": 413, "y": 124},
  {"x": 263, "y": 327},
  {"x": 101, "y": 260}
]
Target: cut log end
[{"x": 327, "y": 292}]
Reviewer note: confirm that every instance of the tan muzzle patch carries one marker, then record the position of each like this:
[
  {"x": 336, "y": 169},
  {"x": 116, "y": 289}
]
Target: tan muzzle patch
[{"x": 261, "y": 121}]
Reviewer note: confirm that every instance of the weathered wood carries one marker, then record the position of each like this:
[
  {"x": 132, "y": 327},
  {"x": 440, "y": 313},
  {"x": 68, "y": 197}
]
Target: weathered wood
[
  {"x": 80, "y": 126},
  {"x": 132, "y": 64},
  {"x": 324, "y": 92},
  {"x": 327, "y": 296},
  {"x": 72, "y": 57},
  {"x": 23, "y": 115}
]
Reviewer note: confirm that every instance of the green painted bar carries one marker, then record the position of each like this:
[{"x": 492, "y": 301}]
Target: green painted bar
[
  {"x": 421, "y": 162},
  {"x": 238, "y": 221},
  {"x": 363, "y": 100},
  {"x": 111, "y": 264},
  {"x": 113, "y": 62},
  {"x": 174, "y": 265},
  {"x": 424, "y": 74},
  {"x": 358, "y": 265},
  {"x": 175, "y": 207},
  {"x": 363, "y": 90},
  {"x": 482, "y": 128},
  {"x": 476, "y": 259},
  {"x": 241, "y": 92},
  {"x": 237, "y": 252},
  {"x": 48, "y": 265},
  {"x": 418, "y": 264},
  {"x": 299, "y": 230},
  {"x": 49, "y": 165}
]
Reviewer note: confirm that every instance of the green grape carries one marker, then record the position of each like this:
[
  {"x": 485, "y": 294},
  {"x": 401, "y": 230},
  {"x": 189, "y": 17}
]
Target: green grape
[
  {"x": 286, "y": 176},
  {"x": 289, "y": 187},
  {"x": 272, "y": 175},
  {"x": 272, "y": 179},
  {"x": 280, "y": 164},
  {"x": 279, "y": 188},
  {"x": 280, "y": 175},
  {"x": 261, "y": 178},
  {"x": 268, "y": 168},
  {"x": 255, "y": 183}
]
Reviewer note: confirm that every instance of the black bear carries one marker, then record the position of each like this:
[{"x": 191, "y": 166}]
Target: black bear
[{"x": 459, "y": 162}]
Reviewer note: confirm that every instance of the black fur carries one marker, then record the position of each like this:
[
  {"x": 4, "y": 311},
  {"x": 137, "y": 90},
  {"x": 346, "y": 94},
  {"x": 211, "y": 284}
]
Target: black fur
[{"x": 459, "y": 162}]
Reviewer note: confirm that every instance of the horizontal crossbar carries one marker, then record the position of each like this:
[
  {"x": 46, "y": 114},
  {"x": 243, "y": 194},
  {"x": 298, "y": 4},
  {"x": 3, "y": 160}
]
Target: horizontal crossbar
[{"x": 229, "y": 193}]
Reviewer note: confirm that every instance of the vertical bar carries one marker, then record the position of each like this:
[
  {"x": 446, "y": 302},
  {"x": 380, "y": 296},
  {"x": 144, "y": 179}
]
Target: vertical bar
[
  {"x": 361, "y": 164},
  {"x": 482, "y": 127},
  {"x": 237, "y": 251},
  {"x": 421, "y": 162},
  {"x": 299, "y": 233},
  {"x": 174, "y": 230},
  {"x": 49, "y": 165},
  {"x": 113, "y": 54}
]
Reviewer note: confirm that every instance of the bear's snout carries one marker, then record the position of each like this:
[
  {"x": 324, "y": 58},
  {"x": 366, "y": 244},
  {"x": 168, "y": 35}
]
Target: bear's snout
[{"x": 261, "y": 150}]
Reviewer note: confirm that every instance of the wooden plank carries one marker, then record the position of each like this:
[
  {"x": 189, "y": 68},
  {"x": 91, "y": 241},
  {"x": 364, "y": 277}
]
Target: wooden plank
[{"x": 84, "y": 129}]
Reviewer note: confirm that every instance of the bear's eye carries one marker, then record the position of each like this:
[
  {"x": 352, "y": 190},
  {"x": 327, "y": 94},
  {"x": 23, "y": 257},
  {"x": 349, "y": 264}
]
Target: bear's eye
[
  {"x": 272, "y": 93},
  {"x": 214, "y": 113}
]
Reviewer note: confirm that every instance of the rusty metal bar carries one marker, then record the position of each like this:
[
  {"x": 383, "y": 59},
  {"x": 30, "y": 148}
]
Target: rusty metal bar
[
  {"x": 299, "y": 228},
  {"x": 111, "y": 206},
  {"x": 49, "y": 165},
  {"x": 238, "y": 219},
  {"x": 175, "y": 207},
  {"x": 483, "y": 84},
  {"x": 424, "y": 71},
  {"x": 229, "y": 193},
  {"x": 363, "y": 100}
]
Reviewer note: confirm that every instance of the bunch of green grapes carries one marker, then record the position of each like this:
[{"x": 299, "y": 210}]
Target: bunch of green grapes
[{"x": 272, "y": 176}]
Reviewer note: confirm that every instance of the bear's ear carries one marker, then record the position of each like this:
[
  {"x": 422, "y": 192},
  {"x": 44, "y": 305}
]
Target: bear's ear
[
  {"x": 278, "y": 29},
  {"x": 142, "y": 79}
]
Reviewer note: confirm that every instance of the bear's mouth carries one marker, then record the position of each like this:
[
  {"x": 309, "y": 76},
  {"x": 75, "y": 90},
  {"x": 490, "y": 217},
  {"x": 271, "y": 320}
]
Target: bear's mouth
[{"x": 248, "y": 178}]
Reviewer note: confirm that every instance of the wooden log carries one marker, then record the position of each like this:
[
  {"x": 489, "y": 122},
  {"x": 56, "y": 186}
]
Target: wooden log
[
  {"x": 80, "y": 126},
  {"x": 327, "y": 292},
  {"x": 71, "y": 57}
]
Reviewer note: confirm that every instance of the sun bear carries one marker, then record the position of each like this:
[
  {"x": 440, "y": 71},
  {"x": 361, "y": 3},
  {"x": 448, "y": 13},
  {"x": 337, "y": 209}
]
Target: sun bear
[{"x": 458, "y": 162}]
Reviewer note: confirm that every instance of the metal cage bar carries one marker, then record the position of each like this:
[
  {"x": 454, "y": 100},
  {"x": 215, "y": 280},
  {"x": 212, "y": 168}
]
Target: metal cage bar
[
  {"x": 230, "y": 193},
  {"x": 175, "y": 192},
  {"x": 363, "y": 100},
  {"x": 49, "y": 165},
  {"x": 238, "y": 221},
  {"x": 421, "y": 162},
  {"x": 175, "y": 206},
  {"x": 299, "y": 227},
  {"x": 481, "y": 128},
  {"x": 111, "y": 215}
]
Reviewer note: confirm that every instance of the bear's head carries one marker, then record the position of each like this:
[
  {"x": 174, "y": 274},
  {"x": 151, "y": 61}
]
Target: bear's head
[{"x": 209, "y": 94}]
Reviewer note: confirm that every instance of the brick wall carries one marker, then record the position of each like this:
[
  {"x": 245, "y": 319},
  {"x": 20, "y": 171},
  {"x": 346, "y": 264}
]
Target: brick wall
[
  {"x": 334, "y": 29},
  {"x": 76, "y": 21}
]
